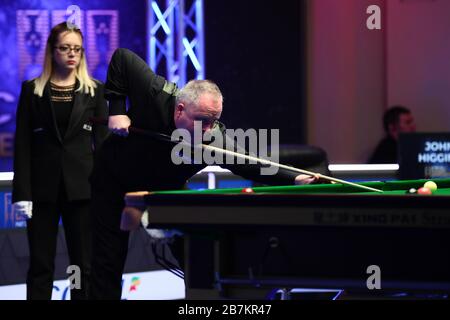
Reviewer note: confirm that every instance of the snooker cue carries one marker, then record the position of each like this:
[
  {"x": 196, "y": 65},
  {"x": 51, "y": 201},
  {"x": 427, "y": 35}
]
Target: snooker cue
[{"x": 165, "y": 137}]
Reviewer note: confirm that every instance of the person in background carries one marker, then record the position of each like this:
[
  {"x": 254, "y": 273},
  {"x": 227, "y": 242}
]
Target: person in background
[{"x": 396, "y": 120}]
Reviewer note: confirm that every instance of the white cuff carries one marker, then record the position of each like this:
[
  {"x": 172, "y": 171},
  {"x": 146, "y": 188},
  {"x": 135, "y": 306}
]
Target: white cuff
[
  {"x": 144, "y": 219},
  {"x": 158, "y": 233},
  {"x": 23, "y": 209}
]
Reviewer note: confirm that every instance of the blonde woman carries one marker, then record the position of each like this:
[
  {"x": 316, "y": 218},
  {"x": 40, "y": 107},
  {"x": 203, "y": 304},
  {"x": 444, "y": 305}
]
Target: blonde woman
[{"x": 54, "y": 150}]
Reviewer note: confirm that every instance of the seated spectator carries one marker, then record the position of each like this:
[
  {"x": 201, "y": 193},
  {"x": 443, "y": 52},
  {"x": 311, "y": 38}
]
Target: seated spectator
[{"x": 396, "y": 120}]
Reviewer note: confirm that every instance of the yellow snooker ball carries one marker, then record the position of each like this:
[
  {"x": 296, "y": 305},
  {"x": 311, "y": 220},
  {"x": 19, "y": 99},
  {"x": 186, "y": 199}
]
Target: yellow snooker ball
[{"x": 430, "y": 185}]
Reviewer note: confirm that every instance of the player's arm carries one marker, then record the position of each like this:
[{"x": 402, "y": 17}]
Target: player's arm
[
  {"x": 256, "y": 172},
  {"x": 127, "y": 72},
  {"x": 116, "y": 92}
]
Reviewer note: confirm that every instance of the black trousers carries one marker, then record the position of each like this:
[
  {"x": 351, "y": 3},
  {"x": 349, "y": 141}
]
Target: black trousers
[
  {"x": 109, "y": 243},
  {"x": 109, "y": 246},
  {"x": 42, "y": 230},
  {"x": 110, "y": 183}
]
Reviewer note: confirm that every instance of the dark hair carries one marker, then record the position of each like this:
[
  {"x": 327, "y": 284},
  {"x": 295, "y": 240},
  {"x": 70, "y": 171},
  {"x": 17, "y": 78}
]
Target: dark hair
[{"x": 392, "y": 116}]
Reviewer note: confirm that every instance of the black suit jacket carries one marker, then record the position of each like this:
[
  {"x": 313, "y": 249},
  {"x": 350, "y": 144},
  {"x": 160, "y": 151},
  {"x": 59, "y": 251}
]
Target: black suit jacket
[
  {"x": 42, "y": 156},
  {"x": 138, "y": 162},
  {"x": 385, "y": 152}
]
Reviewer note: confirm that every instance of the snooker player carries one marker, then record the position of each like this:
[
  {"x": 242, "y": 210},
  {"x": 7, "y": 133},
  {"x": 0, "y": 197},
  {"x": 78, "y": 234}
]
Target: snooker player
[{"x": 130, "y": 162}]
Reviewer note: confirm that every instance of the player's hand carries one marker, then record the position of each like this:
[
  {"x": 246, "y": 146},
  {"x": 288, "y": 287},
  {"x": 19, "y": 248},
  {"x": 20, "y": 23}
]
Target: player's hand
[
  {"x": 119, "y": 124},
  {"x": 302, "y": 179},
  {"x": 23, "y": 209},
  {"x": 131, "y": 219}
]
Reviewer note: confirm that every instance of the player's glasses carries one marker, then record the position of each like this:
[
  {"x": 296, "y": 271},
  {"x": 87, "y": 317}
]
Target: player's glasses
[{"x": 66, "y": 49}]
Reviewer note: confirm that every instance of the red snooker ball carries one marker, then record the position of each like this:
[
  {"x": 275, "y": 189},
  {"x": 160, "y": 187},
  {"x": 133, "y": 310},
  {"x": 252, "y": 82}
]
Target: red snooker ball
[
  {"x": 247, "y": 190},
  {"x": 424, "y": 191}
]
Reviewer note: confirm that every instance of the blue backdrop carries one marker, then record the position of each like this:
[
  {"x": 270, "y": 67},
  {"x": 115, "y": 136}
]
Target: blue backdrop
[{"x": 24, "y": 27}]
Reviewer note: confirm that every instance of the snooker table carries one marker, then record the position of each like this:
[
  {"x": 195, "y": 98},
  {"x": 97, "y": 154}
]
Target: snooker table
[{"x": 243, "y": 245}]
